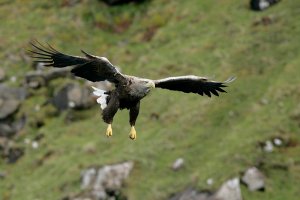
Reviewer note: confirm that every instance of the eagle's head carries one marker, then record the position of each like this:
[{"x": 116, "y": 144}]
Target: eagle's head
[{"x": 141, "y": 87}]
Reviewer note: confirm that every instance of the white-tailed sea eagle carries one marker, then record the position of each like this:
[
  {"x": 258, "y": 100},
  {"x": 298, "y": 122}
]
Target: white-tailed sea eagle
[{"x": 129, "y": 90}]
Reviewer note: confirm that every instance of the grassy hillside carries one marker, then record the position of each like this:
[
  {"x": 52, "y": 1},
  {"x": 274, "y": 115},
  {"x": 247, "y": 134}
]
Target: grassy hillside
[{"x": 218, "y": 137}]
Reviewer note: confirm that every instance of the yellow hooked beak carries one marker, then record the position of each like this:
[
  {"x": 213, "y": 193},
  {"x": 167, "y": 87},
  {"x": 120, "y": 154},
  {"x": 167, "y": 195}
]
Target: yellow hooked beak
[{"x": 150, "y": 84}]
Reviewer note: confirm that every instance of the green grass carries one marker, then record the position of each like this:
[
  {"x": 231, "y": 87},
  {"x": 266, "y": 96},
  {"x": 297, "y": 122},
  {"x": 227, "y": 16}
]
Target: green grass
[{"x": 217, "y": 137}]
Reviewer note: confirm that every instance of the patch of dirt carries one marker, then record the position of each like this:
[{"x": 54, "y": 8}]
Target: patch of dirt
[
  {"x": 149, "y": 33},
  {"x": 122, "y": 26},
  {"x": 265, "y": 21}
]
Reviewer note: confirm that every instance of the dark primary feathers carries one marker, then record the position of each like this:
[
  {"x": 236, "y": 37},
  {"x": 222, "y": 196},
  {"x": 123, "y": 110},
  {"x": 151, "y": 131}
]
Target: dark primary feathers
[
  {"x": 90, "y": 67},
  {"x": 194, "y": 84}
]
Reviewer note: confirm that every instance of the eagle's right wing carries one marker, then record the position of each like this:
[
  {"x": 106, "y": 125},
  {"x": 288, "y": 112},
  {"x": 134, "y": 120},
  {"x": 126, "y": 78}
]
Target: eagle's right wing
[
  {"x": 193, "y": 84},
  {"x": 90, "y": 67}
]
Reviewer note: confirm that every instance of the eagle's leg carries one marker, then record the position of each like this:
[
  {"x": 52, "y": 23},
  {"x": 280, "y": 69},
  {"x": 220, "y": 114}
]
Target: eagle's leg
[
  {"x": 109, "y": 131},
  {"x": 132, "y": 134},
  {"x": 110, "y": 111},
  {"x": 133, "y": 114}
]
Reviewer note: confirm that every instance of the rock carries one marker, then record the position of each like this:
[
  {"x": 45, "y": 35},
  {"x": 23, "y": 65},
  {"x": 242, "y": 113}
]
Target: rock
[
  {"x": 295, "y": 115},
  {"x": 268, "y": 147},
  {"x": 112, "y": 176},
  {"x": 178, "y": 164},
  {"x": 265, "y": 21},
  {"x": 89, "y": 148},
  {"x": 210, "y": 181},
  {"x": 57, "y": 73},
  {"x": 73, "y": 96},
  {"x": 39, "y": 66},
  {"x": 2, "y": 175},
  {"x": 12, "y": 92},
  {"x": 27, "y": 141},
  {"x": 3, "y": 143},
  {"x": 154, "y": 116},
  {"x": 259, "y": 5},
  {"x": 13, "y": 79},
  {"x": 76, "y": 96},
  {"x": 278, "y": 142},
  {"x": 10, "y": 99},
  {"x": 120, "y": 2},
  {"x": 105, "y": 182},
  {"x": 2, "y": 75},
  {"x": 8, "y": 107},
  {"x": 231, "y": 113},
  {"x": 254, "y": 179},
  {"x": 87, "y": 177},
  {"x": 40, "y": 78},
  {"x": 37, "y": 108},
  {"x": 14, "y": 154},
  {"x": 264, "y": 101},
  {"x": 192, "y": 194},
  {"x": 35, "y": 144},
  {"x": 230, "y": 190},
  {"x": 8, "y": 128}
]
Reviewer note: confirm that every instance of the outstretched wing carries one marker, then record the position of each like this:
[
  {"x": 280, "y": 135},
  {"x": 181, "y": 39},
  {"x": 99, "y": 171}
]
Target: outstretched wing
[
  {"x": 90, "y": 67},
  {"x": 194, "y": 84}
]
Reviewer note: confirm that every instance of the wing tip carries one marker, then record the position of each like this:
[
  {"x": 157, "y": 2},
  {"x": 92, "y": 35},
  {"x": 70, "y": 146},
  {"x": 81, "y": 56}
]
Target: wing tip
[
  {"x": 87, "y": 54},
  {"x": 39, "y": 48},
  {"x": 230, "y": 79}
]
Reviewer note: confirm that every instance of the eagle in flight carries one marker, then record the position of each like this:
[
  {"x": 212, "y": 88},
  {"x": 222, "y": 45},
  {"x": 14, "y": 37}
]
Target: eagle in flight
[{"x": 129, "y": 90}]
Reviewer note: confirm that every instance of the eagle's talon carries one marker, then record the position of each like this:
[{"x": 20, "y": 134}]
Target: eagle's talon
[
  {"x": 132, "y": 134},
  {"x": 109, "y": 131}
]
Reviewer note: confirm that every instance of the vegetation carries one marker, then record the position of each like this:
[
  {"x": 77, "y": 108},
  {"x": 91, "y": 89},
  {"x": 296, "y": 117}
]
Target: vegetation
[{"x": 218, "y": 137}]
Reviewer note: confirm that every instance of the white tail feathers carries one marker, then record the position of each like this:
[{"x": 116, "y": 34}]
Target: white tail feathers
[{"x": 102, "y": 97}]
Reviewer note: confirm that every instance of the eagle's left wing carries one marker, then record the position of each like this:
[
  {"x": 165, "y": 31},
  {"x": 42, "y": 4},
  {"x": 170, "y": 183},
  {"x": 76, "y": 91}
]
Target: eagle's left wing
[
  {"x": 194, "y": 84},
  {"x": 90, "y": 67},
  {"x": 53, "y": 58}
]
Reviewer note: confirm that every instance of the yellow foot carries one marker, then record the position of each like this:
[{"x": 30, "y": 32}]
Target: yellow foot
[
  {"x": 132, "y": 134},
  {"x": 109, "y": 131}
]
